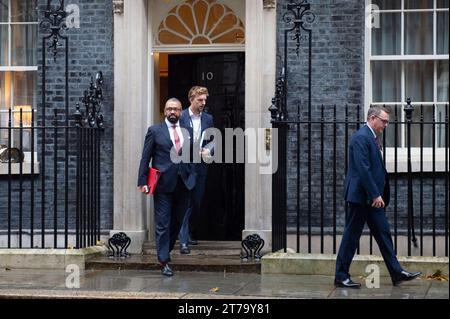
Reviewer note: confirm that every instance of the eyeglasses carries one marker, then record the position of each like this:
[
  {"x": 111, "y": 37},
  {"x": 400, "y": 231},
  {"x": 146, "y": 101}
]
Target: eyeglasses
[
  {"x": 383, "y": 120},
  {"x": 173, "y": 109}
]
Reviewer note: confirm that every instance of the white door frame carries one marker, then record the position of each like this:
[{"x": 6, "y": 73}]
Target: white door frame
[{"x": 260, "y": 68}]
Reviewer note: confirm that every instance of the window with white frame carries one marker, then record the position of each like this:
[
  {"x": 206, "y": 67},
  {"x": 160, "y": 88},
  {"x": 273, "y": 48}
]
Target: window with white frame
[
  {"x": 407, "y": 57},
  {"x": 18, "y": 68}
]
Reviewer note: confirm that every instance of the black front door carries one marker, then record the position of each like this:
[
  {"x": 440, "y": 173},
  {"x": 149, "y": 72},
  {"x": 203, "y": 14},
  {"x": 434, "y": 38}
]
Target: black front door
[{"x": 222, "y": 213}]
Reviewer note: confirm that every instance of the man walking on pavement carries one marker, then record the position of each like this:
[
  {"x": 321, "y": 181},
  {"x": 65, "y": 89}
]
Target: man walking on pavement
[{"x": 367, "y": 192}]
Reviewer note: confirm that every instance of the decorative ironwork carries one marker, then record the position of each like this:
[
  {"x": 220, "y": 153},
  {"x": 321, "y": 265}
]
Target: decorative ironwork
[
  {"x": 92, "y": 101},
  {"x": 54, "y": 21},
  {"x": 120, "y": 242},
  {"x": 297, "y": 14},
  {"x": 252, "y": 245}
]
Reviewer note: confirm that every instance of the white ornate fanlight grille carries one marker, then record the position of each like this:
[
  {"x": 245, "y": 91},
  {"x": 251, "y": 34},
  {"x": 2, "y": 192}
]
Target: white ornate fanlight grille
[{"x": 201, "y": 22}]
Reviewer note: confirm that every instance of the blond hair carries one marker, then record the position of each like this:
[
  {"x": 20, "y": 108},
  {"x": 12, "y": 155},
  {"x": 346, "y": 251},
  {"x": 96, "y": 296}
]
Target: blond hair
[{"x": 196, "y": 91}]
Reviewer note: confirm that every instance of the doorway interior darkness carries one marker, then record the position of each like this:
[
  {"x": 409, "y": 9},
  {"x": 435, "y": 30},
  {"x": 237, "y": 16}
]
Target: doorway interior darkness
[{"x": 223, "y": 210}]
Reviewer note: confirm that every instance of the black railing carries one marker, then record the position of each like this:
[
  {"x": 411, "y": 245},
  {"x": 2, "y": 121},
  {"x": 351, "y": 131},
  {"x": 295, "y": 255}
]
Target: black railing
[
  {"x": 54, "y": 202},
  {"x": 71, "y": 206},
  {"x": 417, "y": 160},
  {"x": 307, "y": 203}
]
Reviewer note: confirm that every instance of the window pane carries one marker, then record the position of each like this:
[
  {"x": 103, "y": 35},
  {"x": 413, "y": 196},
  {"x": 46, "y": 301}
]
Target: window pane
[
  {"x": 386, "y": 81},
  {"x": 3, "y": 132},
  {"x": 24, "y": 44},
  {"x": 442, "y": 32},
  {"x": 26, "y": 139},
  {"x": 392, "y": 128},
  {"x": 3, "y": 45},
  {"x": 427, "y": 128},
  {"x": 23, "y": 11},
  {"x": 387, "y": 4},
  {"x": 418, "y": 4},
  {"x": 419, "y": 33},
  {"x": 441, "y": 114},
  {"x": 3, "y": 10},
  {"x": 24, "y": 88},
  {"x": 419, "y": 80},
  {"x": 442, "y": 3},
  {"x": 5, "y": 90},
  {"x": 442, "y": 81},
  {"x": 386, "y": 39}
]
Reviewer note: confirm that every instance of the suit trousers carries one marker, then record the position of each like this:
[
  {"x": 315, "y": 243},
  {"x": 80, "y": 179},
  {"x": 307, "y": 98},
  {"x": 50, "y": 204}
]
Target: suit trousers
[
  {"x": 378, "y": 224},
  {"x": 169, "y": 213},
  {"x": 193, "y": 211}
]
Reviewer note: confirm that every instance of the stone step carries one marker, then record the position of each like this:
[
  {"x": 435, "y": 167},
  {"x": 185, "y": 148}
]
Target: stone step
[
  {"x": 217, "y": 256},
  {"x": 204, "y": 248},
  {"x": 179, "y": 263}
]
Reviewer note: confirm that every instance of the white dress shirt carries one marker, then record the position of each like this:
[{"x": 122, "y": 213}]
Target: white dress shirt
[
  {"x": 180, "y": 134},
  {"x": 196, "y": 124}
]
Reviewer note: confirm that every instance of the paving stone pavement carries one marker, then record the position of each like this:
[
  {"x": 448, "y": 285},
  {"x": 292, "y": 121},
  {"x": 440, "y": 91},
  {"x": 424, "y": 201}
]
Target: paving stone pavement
[{"x": 150, "y": 284}]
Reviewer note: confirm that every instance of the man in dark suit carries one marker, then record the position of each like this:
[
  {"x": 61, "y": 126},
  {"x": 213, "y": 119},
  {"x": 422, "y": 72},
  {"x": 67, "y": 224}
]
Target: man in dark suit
[
  {"x": 367, "y": 192},
  {"x": 195, "y": 118},
  {"x": 164, "y": 145}
]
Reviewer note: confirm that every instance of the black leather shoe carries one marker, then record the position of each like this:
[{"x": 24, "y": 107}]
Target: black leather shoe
[
  {"x": 166, "y": 271},
  {"x": 405, "y": 276},
  {"x": 347, "y": 283},
  {"x": 193, "y": 242},
  {"x": 184, "y": 249}
]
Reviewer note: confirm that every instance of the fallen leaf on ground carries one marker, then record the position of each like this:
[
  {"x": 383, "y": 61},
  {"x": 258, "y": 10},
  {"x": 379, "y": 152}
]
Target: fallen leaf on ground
[
  {"x": 215, "y": 289},
  {"x": 438, "y": 276}
]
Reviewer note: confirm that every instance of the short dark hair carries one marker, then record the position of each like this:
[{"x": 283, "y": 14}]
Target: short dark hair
[
  {"x": 173, "y": 99},
  {"x": 376, "y": 110}
]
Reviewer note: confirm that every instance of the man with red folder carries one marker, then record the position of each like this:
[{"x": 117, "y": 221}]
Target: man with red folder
[{"x": 164, "y": 145}]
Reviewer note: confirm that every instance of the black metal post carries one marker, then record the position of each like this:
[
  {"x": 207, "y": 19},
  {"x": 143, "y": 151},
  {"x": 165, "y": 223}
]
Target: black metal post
[
  {"x": 322, "y": 177},
  {"x": 20, "y": 178},
  {"x": 411, "y": 235},
  {"x": 9, "y": 176},
  {"x": 32, "y": 202},
  {"x": 55, "y": 181}
]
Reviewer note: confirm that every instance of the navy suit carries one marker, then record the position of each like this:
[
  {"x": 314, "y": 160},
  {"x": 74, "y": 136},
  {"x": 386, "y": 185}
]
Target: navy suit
[
  {"x": 197, "y": 193},
  {"x": 366, "y": 180},
  {"x": 172, "y": 193}
]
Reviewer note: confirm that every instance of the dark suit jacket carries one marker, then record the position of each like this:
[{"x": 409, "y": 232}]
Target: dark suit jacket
[
  {"x": 206, "y": 122},
  {"x": 158, "y": 147},
  {"x": 367, "y": 177}
]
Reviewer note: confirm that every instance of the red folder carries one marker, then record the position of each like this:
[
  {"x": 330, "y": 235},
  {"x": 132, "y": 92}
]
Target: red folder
[{"x": 153, "y": 177}]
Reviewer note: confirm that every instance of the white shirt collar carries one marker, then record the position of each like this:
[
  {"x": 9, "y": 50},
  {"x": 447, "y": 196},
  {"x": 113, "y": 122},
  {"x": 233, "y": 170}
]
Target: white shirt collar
[
  {"x": 371, "y": 129},
  {"x": 191, "y": 114}
]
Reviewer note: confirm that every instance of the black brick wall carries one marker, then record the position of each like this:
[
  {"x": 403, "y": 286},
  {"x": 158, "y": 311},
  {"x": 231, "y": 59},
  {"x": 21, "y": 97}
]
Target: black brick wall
[{"x": 90, "y": 50}]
